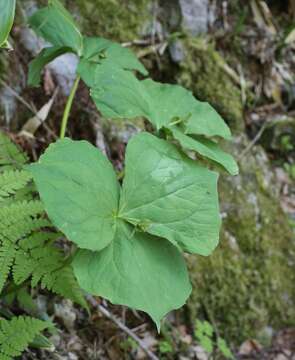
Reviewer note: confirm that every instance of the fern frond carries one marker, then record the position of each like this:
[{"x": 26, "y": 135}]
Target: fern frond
[
  {"x": 7, "y": 253},
  {"x": 13, "y": 180},
  {"x": 63, "y": 282},
  {"x": 16, "y": 335},
  {"x": 46, "y": 265},
  {"x": 11, "y": 157},
  {"x": 47, "y": 260},
  {"x": 38, "y": 239},
  {"x": 18, "y": 211},
  {"x": 23, "y": 228}
]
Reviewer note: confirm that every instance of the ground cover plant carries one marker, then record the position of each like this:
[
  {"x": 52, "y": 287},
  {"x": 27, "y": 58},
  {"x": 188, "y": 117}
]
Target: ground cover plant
[{"x": 128, "y": 236}]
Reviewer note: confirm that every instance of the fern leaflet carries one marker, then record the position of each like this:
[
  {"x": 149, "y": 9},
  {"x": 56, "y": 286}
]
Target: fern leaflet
[
  {"x": 11, "y": 157},
  {"x": 16, "y": 335},
  {"x": 11, "y": 181},
  {"x": 46, "y": 265}
]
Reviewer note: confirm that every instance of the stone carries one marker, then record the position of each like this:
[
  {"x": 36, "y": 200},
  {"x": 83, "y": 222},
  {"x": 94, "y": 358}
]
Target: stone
[
  {"x": 195, "y": 16},
  {"x": 177, "y": 52}
]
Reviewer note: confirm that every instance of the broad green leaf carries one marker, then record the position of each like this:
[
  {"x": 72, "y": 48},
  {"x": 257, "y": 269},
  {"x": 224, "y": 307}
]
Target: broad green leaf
[
  {"x": 7, "y": 10},
  {"x": 169, "y": 195},
  {"x": 166, "y": 200},
  {"x": 118, "y": 93},
  {"x": 80, "y": 192},
  {"x": 137, "y": 270},
  {"x": 57, "y": 26},
  {"x": 206, "y": 148},
  {"x": 173, "y": 103},
  {"x": 161, "y": 104},
  {"x": 46, "y": 56},
  {"x": 97, "y": 51}
]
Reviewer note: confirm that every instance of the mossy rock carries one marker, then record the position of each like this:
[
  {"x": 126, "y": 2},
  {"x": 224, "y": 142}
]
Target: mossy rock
[
  {"x": 248, "y": 282},
  {"x": 113, "y": 19},
  {"x": 203, "y": 71}
]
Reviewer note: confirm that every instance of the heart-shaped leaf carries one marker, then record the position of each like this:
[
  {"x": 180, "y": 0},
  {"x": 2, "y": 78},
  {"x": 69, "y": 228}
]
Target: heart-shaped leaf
[
  {"x": 80, "y": 191},
  {"x": 57, "y": 26},
  {"x": 137, "y": 270},
  {"x": 168, "y": 195},
  {"x": 7, "y": 10}
]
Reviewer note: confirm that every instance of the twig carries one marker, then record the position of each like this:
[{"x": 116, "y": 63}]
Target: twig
[
  {"x": 28, "y": 106},
  {"x": 254, "y": 141},
  {"x": 123, "y": 327},
  {"x": 16, "y": 95}
]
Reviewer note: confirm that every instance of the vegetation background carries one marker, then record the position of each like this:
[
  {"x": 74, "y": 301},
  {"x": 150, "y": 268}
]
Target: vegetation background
[{"x": 239, "y": 56}]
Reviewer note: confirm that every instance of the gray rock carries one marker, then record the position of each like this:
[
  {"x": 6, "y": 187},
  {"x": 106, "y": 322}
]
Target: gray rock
[
  {"x": 64, "y": 68},
  {"x": 177, "y": 51},
  {"x": 195, "y": 15}
]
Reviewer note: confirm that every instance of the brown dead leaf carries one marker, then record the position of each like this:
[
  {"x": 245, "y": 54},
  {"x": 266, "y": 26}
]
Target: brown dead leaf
[
  {"x": 32, "y": 125},
  {"x": 249, "y": 346}
]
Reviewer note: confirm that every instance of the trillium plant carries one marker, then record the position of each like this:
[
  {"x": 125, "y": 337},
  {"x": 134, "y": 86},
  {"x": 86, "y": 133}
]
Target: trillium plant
[{"x": 131, "y": 236}]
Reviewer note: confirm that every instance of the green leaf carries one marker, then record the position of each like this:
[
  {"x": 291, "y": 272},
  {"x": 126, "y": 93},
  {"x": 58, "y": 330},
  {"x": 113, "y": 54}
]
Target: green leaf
[
  {"x": 118, "y": 94},
  {"x": 169, "y": 195},
  {"x": 57, "y": 26},
  {"x": 206, "y": 343},
  {"x": 165, "y": 347},
  {"x": 80, "y": 191},
  {"x": 46, "y": 56},
  {"x": 207, "y": 328},
  {"x": 162, "y": 104},
  {"x": 224, "y": 349},
  {"x": 206, "y": 148},
  {"x": 7, "y": 10},
  {"x": 174, "y": 103},
  {"x": 165, "y": 195},
  {"x": 137, "y": 270},
  {"x": 16, "y": 335},
  {"x": 97, "y": 51}
]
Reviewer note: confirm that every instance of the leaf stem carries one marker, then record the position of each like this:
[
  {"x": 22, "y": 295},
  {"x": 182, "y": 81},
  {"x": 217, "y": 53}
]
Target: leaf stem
[{"x": 68, "y": 107}]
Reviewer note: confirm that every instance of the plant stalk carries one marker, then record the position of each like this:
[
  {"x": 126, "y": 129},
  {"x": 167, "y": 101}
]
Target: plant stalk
[{"x": 68, "y": 107}]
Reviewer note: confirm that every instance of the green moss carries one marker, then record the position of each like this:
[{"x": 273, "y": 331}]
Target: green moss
[
  {"x": 114, "y": 19},
  {"x": 203, "y": 72},
  {"x": 248, "y": 282}
]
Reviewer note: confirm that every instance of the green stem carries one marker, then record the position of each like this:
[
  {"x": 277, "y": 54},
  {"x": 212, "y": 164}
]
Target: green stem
[{"x": 68, "y": 107}]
